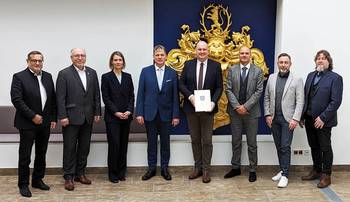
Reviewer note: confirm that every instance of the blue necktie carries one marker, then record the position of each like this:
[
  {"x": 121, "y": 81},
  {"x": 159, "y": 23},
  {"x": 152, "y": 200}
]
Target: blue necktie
[
  {"x": 160, "y": 77},
  {"x": 317, "y": 78}
]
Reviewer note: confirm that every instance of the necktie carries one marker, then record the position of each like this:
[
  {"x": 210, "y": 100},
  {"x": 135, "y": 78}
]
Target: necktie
[
  {"x": 200, "y": 79},
  {"x": 160, "y": 77},
  {"x": 317, "y": 78},
  {"x": 244, "y": 73}
]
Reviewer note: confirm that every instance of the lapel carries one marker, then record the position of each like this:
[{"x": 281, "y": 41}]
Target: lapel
[
  {"x": 286, "y": 86},
  {"x": 155, "y": 80},
  {"x": 237, "y": 73},
  {"x": 36, "y": 84},
  {"x": 325, "y": 75},
  {"x": 165, "y": 76},
  {"x": 251, "y": 74},
  {"x": 273, "y": 84},
  {"x": 207, "y": 73},
  {"x": 77, "y": 77},
  {"x": 193, "y": 66},
  {"x": 309, "y": 82},
  {"x": 114, "y": 79}
]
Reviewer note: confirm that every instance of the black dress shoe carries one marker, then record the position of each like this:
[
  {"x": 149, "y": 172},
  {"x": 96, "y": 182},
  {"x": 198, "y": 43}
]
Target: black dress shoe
[
  {"x": 113, "y": 180},
  {"x": 166, "y": 175},
  {"x": 149, "y": 174},
  {"x": 122, "y": 178},
  {"x": 233, "y": 173},
  {"x": 25, "y": 191},
  {"x": 252, "y": 176},
  {"x": 39, "y": 184}
]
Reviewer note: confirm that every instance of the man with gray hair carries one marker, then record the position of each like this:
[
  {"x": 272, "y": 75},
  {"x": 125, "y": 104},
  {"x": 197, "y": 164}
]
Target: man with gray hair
[{"x": 78, "y": 106}]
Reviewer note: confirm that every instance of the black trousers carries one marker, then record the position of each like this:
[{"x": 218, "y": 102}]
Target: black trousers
[
  {"x": 118, "y": 138},
  {"x": 321, "y": 148},
  {"x": 40, "y": 136},
  {"x": 76, "y": 147}
]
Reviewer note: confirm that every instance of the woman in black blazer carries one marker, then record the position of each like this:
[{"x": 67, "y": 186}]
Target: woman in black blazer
[{"x": 118, "y": 95}]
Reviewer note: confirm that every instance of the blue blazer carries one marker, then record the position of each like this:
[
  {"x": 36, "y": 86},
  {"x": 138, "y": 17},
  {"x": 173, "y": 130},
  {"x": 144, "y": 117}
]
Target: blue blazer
[
  {"x": 327, "y": 98},
  {"x": 118, "y": 97},
  {"x": 151, "y": 100}
]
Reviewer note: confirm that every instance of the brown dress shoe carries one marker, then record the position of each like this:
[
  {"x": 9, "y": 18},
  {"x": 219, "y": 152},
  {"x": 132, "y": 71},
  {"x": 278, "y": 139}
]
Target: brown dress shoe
[
  {"x": 313, "y": 175},
  {"x": 68, "y": 185},
  {"x": 205, "y": 177},
  {"x": 82, "y": 179},
  {"x": 195, "y": 174},
  {"x": 325, "y": 181}
]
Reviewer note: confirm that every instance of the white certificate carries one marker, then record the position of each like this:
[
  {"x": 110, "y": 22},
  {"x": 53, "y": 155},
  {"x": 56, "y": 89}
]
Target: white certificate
[{"x": 202, "y": 100}]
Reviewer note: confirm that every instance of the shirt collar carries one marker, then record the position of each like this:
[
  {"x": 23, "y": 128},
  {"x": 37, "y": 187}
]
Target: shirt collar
[
  {"x": 35, "y": 74},
  {"x": 78, "y": 70},
  {"x": 204, "y": 62},
  {"x": 248, "y": 66},
  {"x": 156, "y": 67}
]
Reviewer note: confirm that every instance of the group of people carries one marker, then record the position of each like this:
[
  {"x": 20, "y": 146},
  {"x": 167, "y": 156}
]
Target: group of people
[{"x": 76, "y": 105}]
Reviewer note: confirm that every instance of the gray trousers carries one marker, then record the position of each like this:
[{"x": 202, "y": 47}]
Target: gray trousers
[
  {"x": 250, "y": 126},
  {"x": 200, "y": 125}
]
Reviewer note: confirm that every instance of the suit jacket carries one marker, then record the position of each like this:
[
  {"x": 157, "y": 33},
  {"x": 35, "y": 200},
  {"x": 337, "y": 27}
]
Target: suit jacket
[
  {"x": 327, "y": 97},
  {"x": 151, "y": 100},
  {"x": 118, "y": 97},
  {"x": 254, "y": 90},
  {"x": 73, "y": 101},
  {"x": 212, "y": 82},
  {"x": 25, "y": 96},
  {"x": 292, "y": 98}
]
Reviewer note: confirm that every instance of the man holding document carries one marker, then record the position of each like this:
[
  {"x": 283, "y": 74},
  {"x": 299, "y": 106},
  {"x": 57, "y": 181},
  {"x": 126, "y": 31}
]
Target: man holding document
[{"x": 201, "y": 85}]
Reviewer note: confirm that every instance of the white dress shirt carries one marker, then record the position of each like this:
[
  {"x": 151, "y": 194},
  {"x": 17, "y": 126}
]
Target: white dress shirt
[
  {"x": 82, "y": 75},
  {"x": 43, "y": 94},
  {"x": 160, "y": 75},
  {"x": 204, "y": 70},
  {"x": 247, "y": 66}
]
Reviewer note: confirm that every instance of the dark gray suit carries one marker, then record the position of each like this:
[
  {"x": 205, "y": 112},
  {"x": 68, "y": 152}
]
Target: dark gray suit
[
  {"x": 79, "y": 106},
  {"x": 249, "y": 122}
]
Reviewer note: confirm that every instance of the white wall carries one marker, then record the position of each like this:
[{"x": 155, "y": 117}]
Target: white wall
[
  {"x": 305, "y": 28},
  {"x": 54, "y": 27}
]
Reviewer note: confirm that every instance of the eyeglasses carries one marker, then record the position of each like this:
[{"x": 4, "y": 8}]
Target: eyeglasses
[
  {"x": 79, "y": 56},
  {"x": 36, "y": 61}
]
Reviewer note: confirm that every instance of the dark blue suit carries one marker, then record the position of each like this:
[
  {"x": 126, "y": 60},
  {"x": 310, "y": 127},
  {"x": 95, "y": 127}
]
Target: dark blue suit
[
  {"x": 322, "y": 99},
  {"x": 158, "y": 107}
]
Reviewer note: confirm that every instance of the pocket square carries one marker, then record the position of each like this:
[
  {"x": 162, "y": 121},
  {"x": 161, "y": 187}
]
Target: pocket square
[{"x": 168, "y": 80}]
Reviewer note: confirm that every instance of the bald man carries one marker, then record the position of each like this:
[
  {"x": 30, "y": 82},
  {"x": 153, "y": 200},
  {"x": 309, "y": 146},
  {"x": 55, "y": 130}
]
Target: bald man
[
  {"x": 78, "y": 106},
  {"x": 201, "y": 74},
  {"x": 244, "y": 88}
]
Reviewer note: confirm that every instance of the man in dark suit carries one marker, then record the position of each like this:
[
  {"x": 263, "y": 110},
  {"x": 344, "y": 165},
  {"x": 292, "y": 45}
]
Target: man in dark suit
[
  {"x": 244, "y": 88},
  {"x": 78, "y": 106},
  {"x": 323, "y": 96},
  {"x": 157, "y": 107},
  {"x": 33, "y": 95},
  {"x": 201, "y": 74}
]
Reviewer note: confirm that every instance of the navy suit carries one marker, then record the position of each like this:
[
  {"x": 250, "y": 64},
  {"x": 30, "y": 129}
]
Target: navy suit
[
  {"x": 158, "y": 107},
  {"x": 25, "y": 96},
  {"x": 118, "y": 97},
  {"x": 322, "y": 99}
]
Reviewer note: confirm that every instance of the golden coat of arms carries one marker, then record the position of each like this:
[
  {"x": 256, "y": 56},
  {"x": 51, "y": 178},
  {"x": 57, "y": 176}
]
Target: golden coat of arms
[{"x": 223, "y": 48}]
